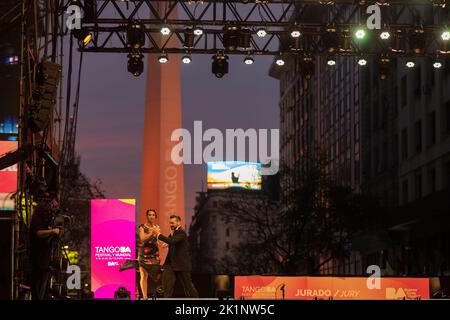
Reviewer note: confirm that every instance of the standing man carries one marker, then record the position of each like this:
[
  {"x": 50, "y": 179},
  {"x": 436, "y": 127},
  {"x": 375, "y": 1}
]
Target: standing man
[
  {"x": 178, "y": 261},
  {"x": 42, "y": 236}
]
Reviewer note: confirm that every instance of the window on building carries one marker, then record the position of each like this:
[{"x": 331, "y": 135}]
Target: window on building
[
  {"x": 404, "y": 96},
  {"x": 404, "y": 143},
  {"x": 405, "y": 191},
  {"x": 431, "y": 128},
  {"x": 418, "y": 186},
  {"x": 447, "y": 173},
  {"x": 418, "y": 82},
  {"x": 432, "y": 180},
  {"x": 227, "y": 244},
  {"x": 418, "y": 136},
  {"x": 228, "y": 232}
]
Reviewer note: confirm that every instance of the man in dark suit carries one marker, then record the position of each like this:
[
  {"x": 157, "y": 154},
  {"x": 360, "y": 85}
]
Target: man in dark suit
[{"x": 178, "y": 261}]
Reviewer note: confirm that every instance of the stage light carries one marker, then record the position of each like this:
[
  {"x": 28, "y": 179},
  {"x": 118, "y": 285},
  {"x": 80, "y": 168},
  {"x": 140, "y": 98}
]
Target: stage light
[
  {"x": 410, "y": 64},
  {"x": 186, "y": 59},
  {"x": 164, "y": 58},
  {"x": 360, "y": 34},
  {"x": 417, "y": 40},
  {"x": 307, "y": 67},
  {"x": 249, "y": 60},
  {"x": 188, "y": 38},
  {"x": 198, "y": 31},
  {"x": 231, "y": 37},
  {"x": 384, "y": 68},
  {"x": 362, "y": 62},
  {"x": 245, "y": 39},
  {"x": 135, "y": 35},
  {"x": 165, "y": 30},
  {"x": 280, "y": 61},
  {"x": 83, "y": 36},
  {"x": 385, "y": 35},
  {"x": 295, "y": 33},
  {"x": 445, "y": 35},
  {"x": 135, "y": 64},
  {"x": 439, "y": 3},
  {"x": 346, "y": 43},
  {"x": 399, "y": 45},
  {"x": 437, "y": 65},
  {"x": 331, "y": 61},
  {"x": 261, "y": 32},
  {"x": 220, "y": 65},
  {"x": 330, "y": 39}
]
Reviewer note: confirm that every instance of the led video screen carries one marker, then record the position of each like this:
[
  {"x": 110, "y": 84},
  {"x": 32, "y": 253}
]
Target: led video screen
[
  {"x": 113, "y": 241},
  {"x": 8, "y": 178},
  {"x": 234, "y": 174}
]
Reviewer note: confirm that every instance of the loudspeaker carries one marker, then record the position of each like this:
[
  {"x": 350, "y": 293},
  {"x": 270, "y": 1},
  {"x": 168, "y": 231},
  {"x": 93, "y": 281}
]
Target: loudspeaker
[{"x": 6, "y": 258}]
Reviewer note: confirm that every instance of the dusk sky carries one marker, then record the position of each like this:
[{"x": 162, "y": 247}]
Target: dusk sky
[{"x": 110, "y": 124}]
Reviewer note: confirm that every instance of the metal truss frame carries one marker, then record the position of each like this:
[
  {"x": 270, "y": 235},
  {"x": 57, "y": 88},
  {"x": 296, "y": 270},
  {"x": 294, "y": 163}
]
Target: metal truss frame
[{"x": 108, "y": 24}]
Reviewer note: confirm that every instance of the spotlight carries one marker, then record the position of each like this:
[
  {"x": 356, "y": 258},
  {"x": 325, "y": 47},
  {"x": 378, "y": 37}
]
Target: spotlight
[
  {"x": 385, "y": 35},
  {"x": 165, "y": 30},
  {"x": 280, "y": 61},
  {"x": 399, "y": 44},
  {"x": 384, "y": 68},
  {"x": 249, "y": 60},
  {"x": 439, "y": 3},
  {"x": 307, "y": 67},
  {"x": 135, "y": 35},
  {"x": 220, "y": 65},
  {"x": 417, "y": 40},
  {"x": 135, "y": 64},
  {"x": 188, "y": 38},
  {"x": 360, "y": 34},
  {"x": 245, "y": 39},
  {"x": 164, "y": 58},
  {"x": 330, "y": 39},
  {"x": 231, "y": 37},
  {"x": 186, "y": 59},
  {"x": 445, "y": 35},
  {"x": 198, "y": 31},
  {"x": 410, "y": 64},
  {"x": 437, "y": 64},
  {"x": 331, "y": 61},
  {"x": 362, "y": 62},
  {"x": 261, "y": 32},
  {"x": 295, "y": 33},
  {"x": 346, "y": 43},
  {"x": 83, "y": 36}
]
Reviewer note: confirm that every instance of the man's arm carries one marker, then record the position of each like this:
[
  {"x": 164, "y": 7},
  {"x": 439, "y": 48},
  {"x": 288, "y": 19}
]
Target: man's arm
[
  {"x": 47, "y": 233},
  {"x": 178, "y": 236}
]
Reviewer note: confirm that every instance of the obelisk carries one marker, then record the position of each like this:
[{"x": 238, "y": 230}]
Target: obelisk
[{"x": 162, "y": 185}]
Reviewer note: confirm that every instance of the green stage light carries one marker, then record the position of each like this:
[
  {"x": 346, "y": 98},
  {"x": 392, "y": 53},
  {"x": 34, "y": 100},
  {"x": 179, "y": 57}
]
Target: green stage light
[{"x": 360, "y": 34}]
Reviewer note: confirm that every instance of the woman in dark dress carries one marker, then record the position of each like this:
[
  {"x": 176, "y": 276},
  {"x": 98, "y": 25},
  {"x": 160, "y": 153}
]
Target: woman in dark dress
[{"x": 149, "y": 261}]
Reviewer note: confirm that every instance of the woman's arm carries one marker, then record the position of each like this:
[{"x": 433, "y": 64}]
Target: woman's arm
[{"x": 144, "y": 236}]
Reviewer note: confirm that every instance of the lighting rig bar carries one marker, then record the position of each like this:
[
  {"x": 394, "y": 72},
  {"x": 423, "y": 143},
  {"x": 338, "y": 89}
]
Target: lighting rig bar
[{"x": 108, "y": 22}]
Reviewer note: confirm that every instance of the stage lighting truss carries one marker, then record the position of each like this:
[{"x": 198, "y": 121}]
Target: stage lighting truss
[{"x": 265, "y": 27}]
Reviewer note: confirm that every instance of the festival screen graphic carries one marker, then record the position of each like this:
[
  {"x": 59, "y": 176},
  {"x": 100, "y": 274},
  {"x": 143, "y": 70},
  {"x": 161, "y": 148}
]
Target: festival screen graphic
[
  {"x": 113, "y": 241},
  {"x": 232, "y": 174},
  {"x": 336, "y": 288},
  {"x": 8, "y": 178}
]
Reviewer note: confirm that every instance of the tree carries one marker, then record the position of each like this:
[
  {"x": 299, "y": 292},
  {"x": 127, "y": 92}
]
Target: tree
[{"x": 76, "y": 193}]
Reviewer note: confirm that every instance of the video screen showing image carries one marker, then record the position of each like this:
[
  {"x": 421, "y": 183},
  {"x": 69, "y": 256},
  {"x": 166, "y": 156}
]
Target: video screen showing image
[
  {"x": 8, "y": 178},
  {"x": 234, "y": 174}
]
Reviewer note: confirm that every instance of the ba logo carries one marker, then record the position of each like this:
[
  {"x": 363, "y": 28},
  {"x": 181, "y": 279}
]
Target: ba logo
[
  {"x": 392, "y": 293},
  {"x": 112, "y": 264}
]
